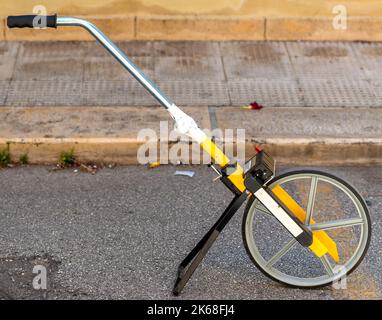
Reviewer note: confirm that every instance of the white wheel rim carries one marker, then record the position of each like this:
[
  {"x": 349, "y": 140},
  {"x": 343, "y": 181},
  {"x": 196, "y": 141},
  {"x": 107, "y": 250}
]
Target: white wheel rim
[{"x": 316, "y": 281}]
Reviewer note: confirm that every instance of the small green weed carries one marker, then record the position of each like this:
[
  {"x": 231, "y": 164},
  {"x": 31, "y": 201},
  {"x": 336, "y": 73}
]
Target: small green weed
[
  {"x": 5, "y": 158},
  {"x": 67, "y": 158},
  {"x": 24, "y": 159}
]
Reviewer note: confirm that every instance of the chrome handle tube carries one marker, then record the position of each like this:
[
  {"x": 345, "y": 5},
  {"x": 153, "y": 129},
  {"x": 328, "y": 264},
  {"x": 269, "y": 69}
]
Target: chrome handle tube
[{"x": 119, "y": 55}]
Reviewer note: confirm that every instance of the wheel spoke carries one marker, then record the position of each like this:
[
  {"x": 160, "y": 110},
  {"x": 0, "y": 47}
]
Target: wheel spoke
[
  {"x": 336, "y": 224},
  {"x": 282, "y": 252},
  {"x": 261, "y": 208},
  {"x": 311, "y": 199},
  {"x": 328, "y": 267}
]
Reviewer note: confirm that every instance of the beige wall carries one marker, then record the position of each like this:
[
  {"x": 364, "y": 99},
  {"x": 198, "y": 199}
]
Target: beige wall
[
  {"x": 260, "y": 8},
  {"x": 204, "y": 19}
]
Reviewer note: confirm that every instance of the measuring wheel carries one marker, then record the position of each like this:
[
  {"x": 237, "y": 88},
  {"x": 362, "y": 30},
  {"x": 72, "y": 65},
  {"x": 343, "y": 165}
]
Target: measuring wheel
[
  {"x": 331, "y": 208},
  {"x": 304, "y": 228}
]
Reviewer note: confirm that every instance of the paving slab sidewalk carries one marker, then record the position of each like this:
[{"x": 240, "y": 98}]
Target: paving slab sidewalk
[{"x": 322, "y": 100}]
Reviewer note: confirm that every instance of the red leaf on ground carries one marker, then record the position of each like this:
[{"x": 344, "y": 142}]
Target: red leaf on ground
[{"x": 255, "y": 106}]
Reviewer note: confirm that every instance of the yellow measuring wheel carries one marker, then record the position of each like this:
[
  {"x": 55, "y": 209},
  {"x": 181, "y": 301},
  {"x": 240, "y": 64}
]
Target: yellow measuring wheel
[
  {"x": 330, "y": 208},
  {"x": 303, "y": 228}
]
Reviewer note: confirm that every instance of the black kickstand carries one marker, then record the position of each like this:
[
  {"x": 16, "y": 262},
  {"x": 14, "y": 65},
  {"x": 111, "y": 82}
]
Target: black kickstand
[{"x": 200, "y": 250}]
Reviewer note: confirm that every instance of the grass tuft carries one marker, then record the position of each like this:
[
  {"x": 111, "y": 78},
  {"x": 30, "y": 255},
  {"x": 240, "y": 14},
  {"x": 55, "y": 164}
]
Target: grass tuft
[
  {"x": 67, "y": 158},
  {"x": 5, "y": 158},
  {"x": 24, "y": 159}
]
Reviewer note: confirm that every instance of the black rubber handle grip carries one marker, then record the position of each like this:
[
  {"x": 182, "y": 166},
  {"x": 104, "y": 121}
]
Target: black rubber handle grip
[{"x": 32, "y": 21}]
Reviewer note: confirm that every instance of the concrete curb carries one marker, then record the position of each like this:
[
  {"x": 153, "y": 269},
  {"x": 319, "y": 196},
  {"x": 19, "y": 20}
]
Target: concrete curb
[
  {"x": 124, "y": 151},
  {"x": 208, "y": 27},
  {"x": 111, "y": 134}
]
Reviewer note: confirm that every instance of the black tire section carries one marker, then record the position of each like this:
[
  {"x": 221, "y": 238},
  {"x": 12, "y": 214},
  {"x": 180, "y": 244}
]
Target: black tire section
[{"x": 307, "y": 171}]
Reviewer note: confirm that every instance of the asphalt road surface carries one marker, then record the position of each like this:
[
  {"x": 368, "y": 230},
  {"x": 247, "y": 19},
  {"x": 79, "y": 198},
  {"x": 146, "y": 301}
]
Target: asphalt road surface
[{"x": 120, "y": 234}]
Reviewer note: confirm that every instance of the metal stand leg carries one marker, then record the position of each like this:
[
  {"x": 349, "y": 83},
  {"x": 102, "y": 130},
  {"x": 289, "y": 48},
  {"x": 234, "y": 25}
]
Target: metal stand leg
[{"x": 200, "y": 250}]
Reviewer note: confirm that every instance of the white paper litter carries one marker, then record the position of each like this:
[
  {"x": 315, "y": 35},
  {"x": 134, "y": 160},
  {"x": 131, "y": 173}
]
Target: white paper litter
[{"x": 184, "y": 173}]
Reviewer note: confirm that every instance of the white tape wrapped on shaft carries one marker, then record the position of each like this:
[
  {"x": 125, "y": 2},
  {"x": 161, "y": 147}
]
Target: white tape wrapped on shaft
[{"x": 186, "y": 125}]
